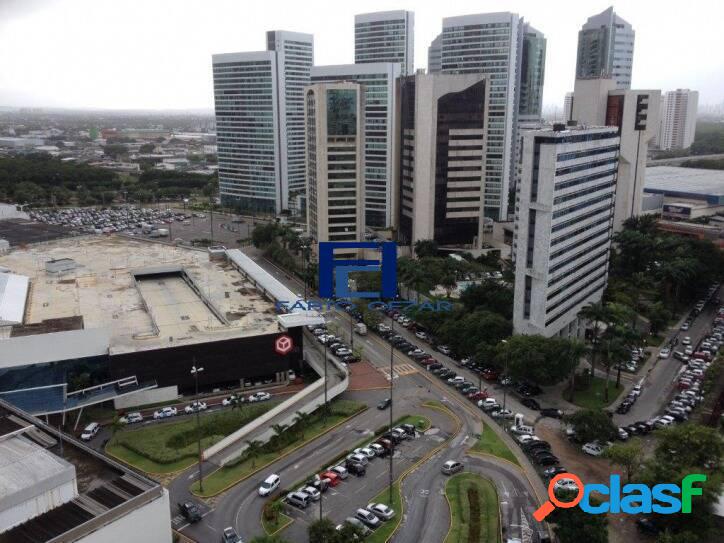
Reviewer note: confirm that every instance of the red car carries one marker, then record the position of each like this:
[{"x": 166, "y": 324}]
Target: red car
[
  {"x": 333, "y": 477},
  {"x": 490, "y": 375},
  {"x": 427, "y": 361},
  {"x": 479, "y": 396}
]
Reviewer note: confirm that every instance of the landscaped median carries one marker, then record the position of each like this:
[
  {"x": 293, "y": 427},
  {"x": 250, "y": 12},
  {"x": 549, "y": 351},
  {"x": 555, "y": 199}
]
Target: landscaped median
[
  {"x": 384, "y": 532},
  {"x": 474, "y": 509},
  {"x": 259, "y": 455},
  {"x": 490, "y": 443},
  {"x": 168, "y": 447}
]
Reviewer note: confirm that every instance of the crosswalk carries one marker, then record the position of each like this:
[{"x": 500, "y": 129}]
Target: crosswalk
[{"x": 398, "y": 370}]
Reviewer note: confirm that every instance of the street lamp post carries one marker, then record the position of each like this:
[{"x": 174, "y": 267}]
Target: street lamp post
[
  {"x": 324, "y": 414},
  {"x": 195, "y": 372},
  {"x": 505, "y": 373}
]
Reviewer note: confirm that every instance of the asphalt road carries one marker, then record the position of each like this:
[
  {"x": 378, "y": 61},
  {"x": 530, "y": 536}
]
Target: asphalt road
[{"x": 659, "y": 381}]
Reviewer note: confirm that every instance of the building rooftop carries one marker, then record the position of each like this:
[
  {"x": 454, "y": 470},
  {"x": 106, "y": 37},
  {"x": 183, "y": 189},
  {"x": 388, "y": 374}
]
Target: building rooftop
[
  {"x": 144, "y": 295},
  {"x": 51, "y": 485},
  {"x": 13, "y": 293},
  {"x": 679, "y": 182}
]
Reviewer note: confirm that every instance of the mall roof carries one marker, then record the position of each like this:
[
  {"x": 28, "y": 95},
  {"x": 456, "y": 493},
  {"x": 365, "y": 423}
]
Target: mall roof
[
  {"x": 688, "y": 183},
  {"x": 13, "y": 293}
]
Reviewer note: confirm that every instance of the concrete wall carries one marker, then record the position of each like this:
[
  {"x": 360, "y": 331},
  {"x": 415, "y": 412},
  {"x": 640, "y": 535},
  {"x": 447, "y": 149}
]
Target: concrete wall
[{"x": 144, "y": 397}]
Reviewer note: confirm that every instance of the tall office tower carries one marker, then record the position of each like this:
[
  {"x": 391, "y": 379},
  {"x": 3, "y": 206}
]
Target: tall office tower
[
  {"x": 334, "y": 117},
  {"x": 380, "y": 140},
  {"x": 259, "y": 102},
  {"x": 532, "y": 74},
  {"x": 597, "y": 102},
  {"x": 434, "y": 55},
  {"x": 568, "y": 107},
  {"x": 677, "y": 124},
  {"x": 442, "y": 123},
  {"x": 605, "y": 48},
  {"x": 385, "y": 36},
  {"x": 490, "y": 44},
  {"x": 563, "y": 226},
  {"x": 295, "y": 58}
]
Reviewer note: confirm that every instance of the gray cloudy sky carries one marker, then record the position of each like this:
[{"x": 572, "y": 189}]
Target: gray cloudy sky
[{"x": 157, "y": 53}]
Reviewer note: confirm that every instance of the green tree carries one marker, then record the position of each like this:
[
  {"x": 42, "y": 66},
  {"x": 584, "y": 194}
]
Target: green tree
[
  {"x": 545, "y": 361},
  {"x": 575, "y": 525},
  {"x": 598, "y": 314},
  {"x": 253, "y": 451},
  {"x": 147, "y": 148},
  {"x": 29, "y": 193},
  {"x": 425, "y": 247},
  {"x": 627, "y": 455},
  {"x": 592, "y": 425},
  {"x": 269, "y": 539},
  {"x": 301, "y": 420},
  {"x": 322, "y": 531}
]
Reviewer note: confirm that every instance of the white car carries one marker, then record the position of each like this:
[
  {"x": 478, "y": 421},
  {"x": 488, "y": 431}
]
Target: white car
[
  {"x": 259, "y": 397},
  {"x": 664, "y": 353},
  {"x": 686, "y": 340},
  {"x": 444, "y": 349},
  {"x": 502, "y": 414},
  {"x": 165, "y": 412},
  {"x": 310, "y": 491},
  {"x": 664, "y": 422},
  {"x": 381, "y": 510},
  {"x": 194, "y": 407},
  {"x": 369, "y": 453},
  {"x": 226, "y": 402},
  {"x": 270, "y": 484},
  {"x": 368, "y": 517},
  {"x": 594, "y": 449},
  {"x": 358, "y": 459},
  {"x": 566, "y": 484},
  {"x": 420, "y": 335},
  {"x": 487, "y": 403},
  {"x": 131, "y": 418}
]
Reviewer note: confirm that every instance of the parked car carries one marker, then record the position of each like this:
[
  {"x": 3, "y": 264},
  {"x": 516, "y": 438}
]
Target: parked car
[
  {"x": 190, "y": 511},
  {"x": 381, "y": 510},
  {"x": 551, "y": 412},
  {"x": 356, "y": 469},
  {"x": 131, "y": 418},
  {"x": 231, "y": 400},
  {"x": 90, "y": 431},
  {"x": 384, "y": 404},
  {"x": 530, "y": 403},
  {"x": 664, "y": 353},
  {"x": 444, "y": 349},
  {"x": 361, "y": 527},
  {"x": 298, "y": 499},
  {"x": 314, "y": 494},
  {"x": 229, "y": 535},
  {"x": 259, "y": 397},
  {"x": 357, "y": 458},
  {"x": 165, "y": 412},
  {"x": 367, "y": 517},
  {"x": 451, "y": 467},
  {"x": 565, "y": 484},
  {"x": 594, "y": 449},
  {"x": 194, "y": 407}
]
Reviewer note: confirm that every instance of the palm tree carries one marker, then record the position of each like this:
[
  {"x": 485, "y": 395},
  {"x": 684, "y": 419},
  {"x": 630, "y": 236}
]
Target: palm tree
[
  {"x": 598, "y": 313},
  {"x": 278, "y": 430},
  {"x": 253, "y": 451},
  {"x": 575, "y": 351},
  {"x": 615, "y": 352},
  {"x": 301, "y": 420}
]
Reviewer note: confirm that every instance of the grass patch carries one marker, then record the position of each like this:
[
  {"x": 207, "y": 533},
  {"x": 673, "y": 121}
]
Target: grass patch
[
  {"x": 219, "y": 480},
  {"x": 491, "y": 443},
  {"x": 168, "y": 447},
  {"x": 418, "y": 421},
  {"x": 474, "y": 509},
  {"x": 381, "y": 534},
  {"x": 276, "y": 525},
  {"x": 592, "y": 397}
]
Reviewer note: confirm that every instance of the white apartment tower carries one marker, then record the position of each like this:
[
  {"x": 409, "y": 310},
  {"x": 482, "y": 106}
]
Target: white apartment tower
[
  {"x": 334, "y": 118},
  {"x": 677, "y": 125},
  {"x": 380, "y": 141},
  {"x": 567, "y": 107},
  {"x": 563, "y": 226},
  {"x": 597, "y": 102},
  {"x": 605, "y": 48},
  {"x": 259, "y": 103},
  {"x": 385, "y": 36},
  {"x": 490, "y": 44}
]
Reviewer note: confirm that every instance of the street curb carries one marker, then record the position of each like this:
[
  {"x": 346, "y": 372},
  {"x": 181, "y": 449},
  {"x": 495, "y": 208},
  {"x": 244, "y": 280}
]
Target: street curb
[{"x": 257, "y": 470}]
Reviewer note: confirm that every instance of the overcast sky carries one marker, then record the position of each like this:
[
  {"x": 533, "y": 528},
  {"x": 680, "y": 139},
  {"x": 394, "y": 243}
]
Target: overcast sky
[{"x": 127, "y": 54}]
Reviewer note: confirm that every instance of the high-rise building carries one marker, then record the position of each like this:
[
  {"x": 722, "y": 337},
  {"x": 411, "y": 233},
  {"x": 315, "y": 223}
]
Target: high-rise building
[
  {"x": 597, "y": 102},
  {"x": 442, "y": 153},
  {"x": 605, "y": 48},
  {"x": 532, "y": 74},
  {"x": 259, "y": 102},
  {"x": 385, "y": 36},
  {"x": 563, "y": 226},
  {"x": 380, "y": 134},
  {"x": 677, "y": 123},
  {"x": 568, "y": 107},
  {"x": 434, "y": 55},
  {"x": 490, "y": 44},
  {"x": 334, "y": 118}
]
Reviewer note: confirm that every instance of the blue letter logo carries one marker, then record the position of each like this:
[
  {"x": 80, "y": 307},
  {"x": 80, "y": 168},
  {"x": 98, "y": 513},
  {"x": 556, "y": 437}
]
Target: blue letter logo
[{"x": 335, "y": 273}]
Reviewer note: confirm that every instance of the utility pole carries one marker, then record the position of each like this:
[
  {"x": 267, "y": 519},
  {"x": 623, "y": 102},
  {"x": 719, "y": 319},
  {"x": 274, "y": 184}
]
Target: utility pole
[
  {"x": 351, "y": 332},
  {"x": 324, "y": 414},
  {"x": 505, "y": 372},
  {"x": 195, "y": 372}
]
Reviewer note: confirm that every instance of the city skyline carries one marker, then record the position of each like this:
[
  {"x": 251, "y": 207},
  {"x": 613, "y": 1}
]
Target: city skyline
[{"x": 163, "y": 61}]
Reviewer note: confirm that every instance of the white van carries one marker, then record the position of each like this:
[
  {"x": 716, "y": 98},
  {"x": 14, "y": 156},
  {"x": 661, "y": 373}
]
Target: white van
[
  {"x": 270, "y": 484},
  {"x": 90, "y": 431}
]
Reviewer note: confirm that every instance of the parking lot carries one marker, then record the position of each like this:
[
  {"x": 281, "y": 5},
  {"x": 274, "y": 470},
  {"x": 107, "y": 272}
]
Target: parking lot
[{"x": 342, "y": 501}]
